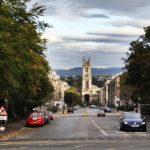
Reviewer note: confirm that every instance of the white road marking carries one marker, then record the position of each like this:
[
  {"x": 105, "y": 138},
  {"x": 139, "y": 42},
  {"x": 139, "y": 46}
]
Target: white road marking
[
  {"x": 103, "y": 132},
  {"x": 79, "y": 146}
]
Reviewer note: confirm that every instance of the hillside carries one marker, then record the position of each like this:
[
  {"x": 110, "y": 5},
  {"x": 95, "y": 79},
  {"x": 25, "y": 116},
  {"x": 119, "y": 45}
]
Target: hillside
[{"x": 95, "y": 71}]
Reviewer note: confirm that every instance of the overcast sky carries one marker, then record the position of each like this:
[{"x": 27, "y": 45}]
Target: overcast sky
[{"x": 100, "y": 29}]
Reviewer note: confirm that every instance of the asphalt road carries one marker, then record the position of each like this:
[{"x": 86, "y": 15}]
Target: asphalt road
[{"x": 80, "y": 130}]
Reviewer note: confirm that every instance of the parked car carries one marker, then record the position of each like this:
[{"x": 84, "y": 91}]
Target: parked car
[
  {"x": 102, "y": 107},
  {"x": 100, "y": 113},
  {"x": 45, "y": 114},
  {"x": 35, "y": 118},
  {"x": 70, "y": 109},
  {"x": 75, "y": 108},
  {"x": 92, "y": 106},
  {"x": 50, "y": 114},
  {"x": 107, "y": 109},
  {"x": 132, "y": 121}
]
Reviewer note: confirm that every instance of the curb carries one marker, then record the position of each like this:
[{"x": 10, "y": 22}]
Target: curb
[{"x": 10, "y": 134}]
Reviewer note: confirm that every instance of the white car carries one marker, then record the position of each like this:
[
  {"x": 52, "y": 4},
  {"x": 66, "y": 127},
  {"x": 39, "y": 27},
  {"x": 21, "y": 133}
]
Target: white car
[{"x": 92, "y": 106}]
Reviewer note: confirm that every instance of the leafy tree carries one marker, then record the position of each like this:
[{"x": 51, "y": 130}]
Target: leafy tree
[
  {"x": 72, "y": 97},
  {"x": 23, "y": 67},
  {"x": 126, "y": 91},
  {"x": 138, "y": 66},
  {"x": 99, "y": 83}
]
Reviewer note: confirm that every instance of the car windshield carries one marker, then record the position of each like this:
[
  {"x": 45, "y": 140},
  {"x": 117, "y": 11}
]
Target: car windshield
[
  {"x": 132, "y": 116},
  {"x": 35, "y": 115}
]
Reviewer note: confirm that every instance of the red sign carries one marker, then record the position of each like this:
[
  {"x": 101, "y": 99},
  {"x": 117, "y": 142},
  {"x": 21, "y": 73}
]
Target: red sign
[
  {"x": 3, "y": 114},
  {"x": 3, "y": 111}
]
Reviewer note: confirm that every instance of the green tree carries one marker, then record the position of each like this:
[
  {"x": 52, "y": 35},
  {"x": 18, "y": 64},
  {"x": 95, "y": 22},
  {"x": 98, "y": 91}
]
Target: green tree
[
  {"x": 126, "y": 92},
  {"x": 72, "y": 97},
  {"x": 23, "y": 67},
  {"x": 138, "y": 66}
]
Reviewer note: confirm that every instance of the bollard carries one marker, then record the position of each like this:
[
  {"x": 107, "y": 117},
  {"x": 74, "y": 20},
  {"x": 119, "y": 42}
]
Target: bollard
[{"x": 2, "y": 128}]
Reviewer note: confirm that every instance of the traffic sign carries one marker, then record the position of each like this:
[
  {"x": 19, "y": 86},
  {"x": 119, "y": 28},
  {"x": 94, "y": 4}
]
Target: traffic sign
[{"x": 3, "y": 113}]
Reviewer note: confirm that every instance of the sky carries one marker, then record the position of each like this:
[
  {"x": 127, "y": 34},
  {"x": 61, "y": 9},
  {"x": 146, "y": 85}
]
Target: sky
[{"x": 99, "y": 29}]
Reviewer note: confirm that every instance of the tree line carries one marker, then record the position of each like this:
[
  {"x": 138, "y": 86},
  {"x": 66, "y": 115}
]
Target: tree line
[
  {"x": 137, "y": 64},
  {"x": 24, "y": 81}
]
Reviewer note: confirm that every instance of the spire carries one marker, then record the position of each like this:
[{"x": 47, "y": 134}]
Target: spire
[{"x": 86, "y": 61}]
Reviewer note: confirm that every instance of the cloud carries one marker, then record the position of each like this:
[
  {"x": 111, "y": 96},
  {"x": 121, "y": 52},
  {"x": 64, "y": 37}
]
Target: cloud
[
  {"x": 73, "y": 58},
  {"x": 95, "y": 16},
  {"x": 138, "y": 23},
  {"x": 120, "y": 7},
  {"x": 107, "y": 36},
  {"x": 101, "y": 29},
  {"x": 89, "y": 45},
  {"x": 114, "y": 31}
]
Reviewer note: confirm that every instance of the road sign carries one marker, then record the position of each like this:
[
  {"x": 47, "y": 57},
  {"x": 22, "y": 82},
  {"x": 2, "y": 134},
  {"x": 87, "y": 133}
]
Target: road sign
[{"x": 3, "y": 113}]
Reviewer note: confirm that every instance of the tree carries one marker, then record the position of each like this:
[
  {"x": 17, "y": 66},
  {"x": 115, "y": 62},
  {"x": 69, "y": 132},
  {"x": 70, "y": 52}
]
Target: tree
[
  {"x": 24, "y": 69},
  {"x": 138, "y": 66},
  {"x": 72, "y": 97}
]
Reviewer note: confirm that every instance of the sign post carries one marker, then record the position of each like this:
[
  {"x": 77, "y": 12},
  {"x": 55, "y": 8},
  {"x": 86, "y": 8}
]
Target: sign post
[{"x": 3, "y": 118}]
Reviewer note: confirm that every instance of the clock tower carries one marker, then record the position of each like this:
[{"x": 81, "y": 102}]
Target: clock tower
[{"x": 86, "y": 80}]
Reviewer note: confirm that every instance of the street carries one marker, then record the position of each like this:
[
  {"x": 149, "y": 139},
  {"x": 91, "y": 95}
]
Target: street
[{"x": 80, "y": 130}]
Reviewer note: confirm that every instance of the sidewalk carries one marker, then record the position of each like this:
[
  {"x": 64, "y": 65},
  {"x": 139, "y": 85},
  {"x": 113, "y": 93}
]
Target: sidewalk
[{"x": 12, "y": 127}]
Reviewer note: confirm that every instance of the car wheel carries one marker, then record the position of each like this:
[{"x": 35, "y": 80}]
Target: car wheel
[
  {"x": 42, "y": 125},
  {"x": 144, "y": 130}
]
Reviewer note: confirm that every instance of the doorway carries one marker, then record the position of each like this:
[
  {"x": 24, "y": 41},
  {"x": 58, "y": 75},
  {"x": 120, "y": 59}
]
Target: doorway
[{"x": 86, "y": 99}]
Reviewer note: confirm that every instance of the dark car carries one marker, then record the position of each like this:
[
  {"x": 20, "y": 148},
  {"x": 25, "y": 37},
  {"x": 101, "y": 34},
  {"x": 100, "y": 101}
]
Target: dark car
[
  {"x": 70, "y": 109},
  {"x": 132, "y": 121},
  {"x": 102, "y": 107},
  {"x": 107, "y": 109},
  {"x": 45, "y": 116},
  {"x": 50, "y": 114},
  {"x": 100, "y": 113}
]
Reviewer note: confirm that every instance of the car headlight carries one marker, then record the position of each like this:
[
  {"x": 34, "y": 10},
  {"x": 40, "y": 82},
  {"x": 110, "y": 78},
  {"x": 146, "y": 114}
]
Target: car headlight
[
  {"x": 143, "y": 123},
  {"x": 125, "y": 122}
]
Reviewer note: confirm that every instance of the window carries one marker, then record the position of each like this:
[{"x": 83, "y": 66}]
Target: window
[
  {"x": 87, "y": 85},
  {"x": 86, "y": 70}
]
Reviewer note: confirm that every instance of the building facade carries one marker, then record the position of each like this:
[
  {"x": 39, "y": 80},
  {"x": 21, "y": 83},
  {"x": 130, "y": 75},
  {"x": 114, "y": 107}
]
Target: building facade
[{"x": 59, "y": 89}]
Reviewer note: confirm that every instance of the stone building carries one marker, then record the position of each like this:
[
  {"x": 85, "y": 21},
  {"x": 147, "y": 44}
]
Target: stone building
[
  {"x": 111, "y": 92},
  {"x": 90, "y": 93},
  {"x": 59, "y": 88}
]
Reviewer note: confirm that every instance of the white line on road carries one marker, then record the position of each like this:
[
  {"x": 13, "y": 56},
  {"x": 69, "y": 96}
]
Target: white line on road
[
  {"x": 79, "y": 146},
  {"x": 103, "y": 132}
]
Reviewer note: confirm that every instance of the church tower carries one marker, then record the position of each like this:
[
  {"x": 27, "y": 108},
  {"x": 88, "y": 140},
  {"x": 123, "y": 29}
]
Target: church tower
[{"x": 86, "y": 80}]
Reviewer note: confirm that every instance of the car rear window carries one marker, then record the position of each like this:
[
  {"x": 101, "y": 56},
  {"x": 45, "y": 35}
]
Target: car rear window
[{"x": 35, "y": 115}]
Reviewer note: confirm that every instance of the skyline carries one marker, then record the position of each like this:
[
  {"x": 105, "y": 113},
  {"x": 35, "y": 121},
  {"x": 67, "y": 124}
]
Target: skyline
[{"x": 99, "y": 29}]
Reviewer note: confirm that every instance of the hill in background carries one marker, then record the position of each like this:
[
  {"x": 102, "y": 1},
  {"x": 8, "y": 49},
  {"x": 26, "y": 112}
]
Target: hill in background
[{"x": 95, "y": 71}]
